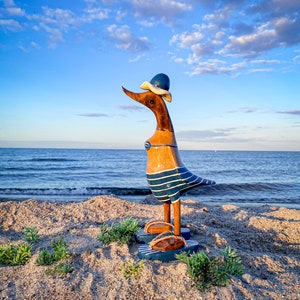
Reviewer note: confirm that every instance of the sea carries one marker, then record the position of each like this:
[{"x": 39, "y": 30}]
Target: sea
[{"x": 245, "y": 178}]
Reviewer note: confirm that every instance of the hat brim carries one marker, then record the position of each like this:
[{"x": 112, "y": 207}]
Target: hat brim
[{"x": 156, "y": 90}]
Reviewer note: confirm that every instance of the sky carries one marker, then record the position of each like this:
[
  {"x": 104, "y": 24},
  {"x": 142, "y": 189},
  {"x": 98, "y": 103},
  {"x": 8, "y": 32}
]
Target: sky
[{"x": 234, "y": 69}]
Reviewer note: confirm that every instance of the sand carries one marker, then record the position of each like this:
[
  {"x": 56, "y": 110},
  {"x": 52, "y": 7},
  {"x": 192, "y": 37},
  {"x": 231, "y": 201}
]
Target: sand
[{"x": 267, "y": 239}]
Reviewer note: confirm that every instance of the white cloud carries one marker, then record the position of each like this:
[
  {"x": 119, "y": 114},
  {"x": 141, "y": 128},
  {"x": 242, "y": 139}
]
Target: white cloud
[
  {"x": 224, "y": 40},
  {"x": 186, "y": 39},
  {"x": 200, "y": 50},
  {"x": 265, "y": 61},
  {"x": 94, "y": 115},
  {"x": 15, "y": 11},
  {"x": 9, "y": 2},
  {"x": 35, "y": 45},
  {"x": 95, "y": 13},
  {"x": 125, "y": 39},
  {"x": 147, "y": 22},
  {"x": 120, "y": 14},
  {"x": 62, "y": 18},
  {"x": 11, "y": 9},
  {"x": 275, "y": 8},
  {"x": 11, "y": 25},
  {"x": 243, "y": 110},
  {"x": 214, "y": 66},
  {"x": 165, "y": 11},
  {"x": 225, "y": 135},
  {"x": 22, "y": 48},
  {"x": 252, "y": 45},
  {"x": 131, "y": 108},
  {"x": 55, "y": 35},
  {"x": 290, "y": 112},
  {"x": 55, "y": 22},
  {"x": 279, "y": 32},
  {"x": 296, "y": 58},
  {"x": 262, "y": 70},
  {"x": 287, "y": 30},
  {"x": 198, "y": 135},
  {"x": 135, "y": 59},
  {"x": 177, "y": 59},
  {"x": 219, "y": 17}
]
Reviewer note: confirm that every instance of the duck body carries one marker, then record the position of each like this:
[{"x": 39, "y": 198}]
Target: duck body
[{"x": 167, "y": 176}]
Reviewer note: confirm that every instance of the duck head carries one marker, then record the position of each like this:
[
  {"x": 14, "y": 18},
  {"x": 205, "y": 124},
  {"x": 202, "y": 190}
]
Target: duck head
[{"x": 156, "y": 104}]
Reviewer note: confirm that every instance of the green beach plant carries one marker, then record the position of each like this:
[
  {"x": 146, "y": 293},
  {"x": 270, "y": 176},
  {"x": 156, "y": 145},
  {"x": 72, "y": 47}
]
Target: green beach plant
[
  {"x": 131, "y": 269},
  {"x": 45, "y": 258},
  {"x": 60, "y": 252},
  {"x": 232, "y": 262},
  {"x": 216, "y": 271},
  {"x": 31, "y": 234},
  {"x": 60, "y": 249},
  {"x": 121, "y": 232},
  {"x": 14, "y": 255}
]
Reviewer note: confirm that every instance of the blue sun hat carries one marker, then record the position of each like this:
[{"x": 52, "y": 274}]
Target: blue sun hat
[{"x": 159, "y": 85}]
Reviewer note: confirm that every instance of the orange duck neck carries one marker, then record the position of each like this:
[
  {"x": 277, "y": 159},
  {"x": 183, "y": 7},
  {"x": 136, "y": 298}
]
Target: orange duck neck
[
  {"x": 163, "y": 119},
  {"x": 164, "y": 134}
]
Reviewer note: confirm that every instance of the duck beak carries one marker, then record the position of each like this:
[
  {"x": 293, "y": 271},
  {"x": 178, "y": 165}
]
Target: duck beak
[{"x": 134, "y": 96}]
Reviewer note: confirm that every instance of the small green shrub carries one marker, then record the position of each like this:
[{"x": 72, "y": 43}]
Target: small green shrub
[
  {"x": 132, "y": 269},
  {"x": 120, "y": 232},
  {"x": 15, "y": 255},
  {"x": 60, "y": 249},
  {"x": 31, "y": 234},
  {"x": 60, "y": 252},
  {"x": 232, "y": 262},
  {"x": 198, "y": 268},
  {"x": 45, "y": 258},
  {"x": 216, "y": 271}
]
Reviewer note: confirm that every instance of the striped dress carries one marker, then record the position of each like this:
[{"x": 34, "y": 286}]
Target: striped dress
[{"x": 169, "y": 185}]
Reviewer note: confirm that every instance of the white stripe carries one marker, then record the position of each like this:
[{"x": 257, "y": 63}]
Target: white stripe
[{"x": 167, "y": 171}]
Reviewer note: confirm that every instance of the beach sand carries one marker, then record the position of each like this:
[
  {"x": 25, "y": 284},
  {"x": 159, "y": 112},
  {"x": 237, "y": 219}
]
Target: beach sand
[{"x": 267, "y": 239}]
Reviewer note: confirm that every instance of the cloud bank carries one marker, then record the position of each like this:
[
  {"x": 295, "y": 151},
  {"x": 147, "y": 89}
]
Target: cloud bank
[{"x": 225, "y": 37}]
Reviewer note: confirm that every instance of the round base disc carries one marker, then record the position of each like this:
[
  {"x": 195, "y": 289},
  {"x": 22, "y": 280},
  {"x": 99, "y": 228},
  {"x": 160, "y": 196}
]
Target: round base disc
[{"x": 145, "y": 252}]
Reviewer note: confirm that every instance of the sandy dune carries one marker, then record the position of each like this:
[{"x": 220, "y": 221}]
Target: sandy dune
[{"x": 267, "y": 239}]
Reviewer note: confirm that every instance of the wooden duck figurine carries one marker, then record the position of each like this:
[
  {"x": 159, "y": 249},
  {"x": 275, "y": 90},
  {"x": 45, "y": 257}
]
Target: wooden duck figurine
[{"x": 167, "y": 176}]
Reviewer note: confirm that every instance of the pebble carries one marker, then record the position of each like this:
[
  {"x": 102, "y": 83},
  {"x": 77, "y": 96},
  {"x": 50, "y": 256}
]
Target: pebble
[{"x": 247, "y": 278}]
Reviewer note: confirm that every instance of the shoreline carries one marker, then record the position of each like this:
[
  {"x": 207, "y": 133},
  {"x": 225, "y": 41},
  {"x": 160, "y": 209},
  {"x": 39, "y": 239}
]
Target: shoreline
[
  {"x": 140, "y": 199},
  {"x": 267, "y": 238}
]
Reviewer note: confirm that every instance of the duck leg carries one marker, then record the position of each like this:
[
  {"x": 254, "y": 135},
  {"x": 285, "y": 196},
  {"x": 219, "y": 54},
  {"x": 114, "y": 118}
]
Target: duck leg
[
  {"x": 167, "y": 212},
  {"x": 177, "y": 217}
]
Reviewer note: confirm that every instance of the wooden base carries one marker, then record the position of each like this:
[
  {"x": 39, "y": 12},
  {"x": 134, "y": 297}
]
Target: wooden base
[
  {"x": 168, "y": 243},
  {"x": 144, "y": 237},
  {"x": 144, "y": 252},
  {"x": 157, "y": 227}
]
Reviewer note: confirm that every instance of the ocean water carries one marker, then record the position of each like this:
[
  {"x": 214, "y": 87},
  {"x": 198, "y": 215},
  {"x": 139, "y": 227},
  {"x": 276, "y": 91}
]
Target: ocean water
[{"x": 242, "y": 177}]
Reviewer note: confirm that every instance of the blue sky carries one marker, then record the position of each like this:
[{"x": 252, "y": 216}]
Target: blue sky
[{"x": 234, "y": 67}]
